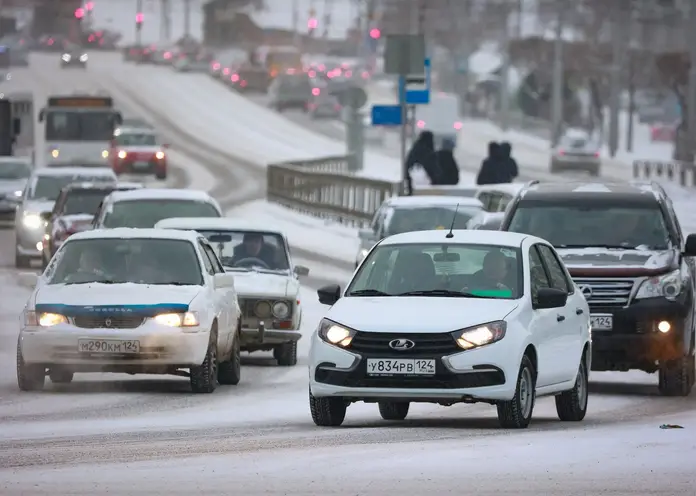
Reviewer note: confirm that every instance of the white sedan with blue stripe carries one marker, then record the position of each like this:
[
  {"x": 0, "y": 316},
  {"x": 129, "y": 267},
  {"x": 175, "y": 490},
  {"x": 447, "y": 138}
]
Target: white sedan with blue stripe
[{"x": 136, "y": 301}]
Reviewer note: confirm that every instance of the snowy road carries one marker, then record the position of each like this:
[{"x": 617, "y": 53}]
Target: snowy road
[{"x": 149, "y": 435}]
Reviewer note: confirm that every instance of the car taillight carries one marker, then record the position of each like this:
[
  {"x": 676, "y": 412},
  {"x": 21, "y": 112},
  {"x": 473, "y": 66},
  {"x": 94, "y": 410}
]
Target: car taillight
[
  {"x": 243, "y": 84},
  {"x": 226, "y": 71},
  {"x": 365, "y": 74},
  {"x": 167, "y": 55},
  {"x": 596, "y": 154},
  {"x": 420, "y": 124},
  {"x": 312, "y": 74},
  {"x": 337, "y": 107},
  {"x": 316, "y": 91},
  {"x": 457, "y": 126},
  {"x": 561, "y": 152},
  {"x": 234, "y": 78}
]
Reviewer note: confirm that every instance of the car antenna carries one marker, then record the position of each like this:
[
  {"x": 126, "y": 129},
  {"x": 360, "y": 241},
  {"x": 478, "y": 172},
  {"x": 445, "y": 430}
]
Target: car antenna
[{"x": 450, "y": 234}]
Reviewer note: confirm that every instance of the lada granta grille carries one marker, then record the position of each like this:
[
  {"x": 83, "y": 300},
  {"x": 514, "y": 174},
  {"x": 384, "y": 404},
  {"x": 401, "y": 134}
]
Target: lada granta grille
[
  {"x": 106, "y": 322},
  {"x": 377, "y": 344},
  {"x": 606, "y": 293}
]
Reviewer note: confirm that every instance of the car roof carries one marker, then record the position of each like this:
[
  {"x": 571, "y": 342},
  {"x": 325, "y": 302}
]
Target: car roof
[
  {"x": 162, "y": 193},
  {"x": 497, "y": 238},
  {"x": 132, "y": 233},
  {"x": 432, "y": 201},
  {"x": 75, "y": 171},
  {"x": 592, "y": 190},
  {"x": 90, "y": 185},
  {"x": 213, "y": 223}
]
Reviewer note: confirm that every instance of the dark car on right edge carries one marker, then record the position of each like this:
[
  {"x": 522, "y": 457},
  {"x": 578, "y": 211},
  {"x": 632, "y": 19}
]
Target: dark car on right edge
[{"x": 625, "y": 250}]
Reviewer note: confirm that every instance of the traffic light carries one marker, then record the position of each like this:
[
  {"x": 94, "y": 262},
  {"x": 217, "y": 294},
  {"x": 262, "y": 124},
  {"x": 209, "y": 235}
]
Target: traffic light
[
  {"x": 139, "y": 18},
  {"x": 89, "y": 6},
  {"x": 375, "y": 33},
  {"x": 79, "y": 13},
  {"x": 312, "y": 23}
]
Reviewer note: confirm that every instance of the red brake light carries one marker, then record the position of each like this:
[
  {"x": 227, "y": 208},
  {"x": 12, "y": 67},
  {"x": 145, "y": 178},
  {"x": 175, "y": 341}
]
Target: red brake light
[
  {"x": 457, "y": 125},
  {"x": 420, "y": 124},
  {"x": 234, "y": 78},
  {"x": 316, "y": 91}
]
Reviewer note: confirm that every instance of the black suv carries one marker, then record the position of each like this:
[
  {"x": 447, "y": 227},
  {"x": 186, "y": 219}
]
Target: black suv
[{"x": 624, "y": 248}]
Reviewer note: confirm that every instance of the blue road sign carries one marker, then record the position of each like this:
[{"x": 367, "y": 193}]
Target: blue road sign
[
  {"x": 416, "y": 88},
  {"x": 386, "y": 115}
]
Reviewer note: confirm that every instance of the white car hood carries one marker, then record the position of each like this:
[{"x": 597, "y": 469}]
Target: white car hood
[
  {"x": 116, "y": 295},
  {"x": 414, "y": 314},
  {"x": 259, "y": 284}
]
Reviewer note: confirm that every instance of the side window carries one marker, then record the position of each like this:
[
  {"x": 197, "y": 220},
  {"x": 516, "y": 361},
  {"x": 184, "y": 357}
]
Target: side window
[
  {"x": 215, "y": 262},
  {"x": 485, "y": 198},
  {"x": 537, "y": 274},
  {"x": 555, "y": 269},
  {"x": 505, "y": 200},
  {"x": 206, "y": 260},
  {"x": 673, "y": 222},
  {"x": 377, "y": 220}
]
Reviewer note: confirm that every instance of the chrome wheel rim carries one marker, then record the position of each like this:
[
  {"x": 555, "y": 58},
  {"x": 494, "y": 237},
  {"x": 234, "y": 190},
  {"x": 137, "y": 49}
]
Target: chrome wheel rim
[{"x": 526, "y": 392}]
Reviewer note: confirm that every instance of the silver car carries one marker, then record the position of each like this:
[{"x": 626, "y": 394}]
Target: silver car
[
  {"x": 14, "y": 173},
  {"x": 40, "y": 193},
  {"x": 576, "y": 151}
]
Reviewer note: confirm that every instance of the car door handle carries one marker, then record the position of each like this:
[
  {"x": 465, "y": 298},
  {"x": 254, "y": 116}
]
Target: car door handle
[
  {"x": 560, "y": 318},
  {"x": 579, "y": 311}
]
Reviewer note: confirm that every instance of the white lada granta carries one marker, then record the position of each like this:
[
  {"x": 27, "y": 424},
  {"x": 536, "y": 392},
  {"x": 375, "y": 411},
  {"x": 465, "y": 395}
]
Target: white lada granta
[
  {"x": 137, "y": 301},
  {"x": 465, "y": 316}
]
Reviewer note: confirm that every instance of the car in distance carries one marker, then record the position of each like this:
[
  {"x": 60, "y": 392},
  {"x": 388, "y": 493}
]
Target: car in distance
[
  {"x": 147, "y": 206},
  {"x": 576, "y": 151},
  {"x": 137, "y": 301},
  {"x": 624, "y": 247},
  {"x": 448, "y": 317},
  {"x": 267, "y": 282},
  {"x": 136, "y": 150},
  {"x": 14, "y": 174}
]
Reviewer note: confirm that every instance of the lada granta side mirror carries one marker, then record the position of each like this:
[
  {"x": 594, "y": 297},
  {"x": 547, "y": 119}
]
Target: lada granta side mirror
[{"x": 550, "y": 298}]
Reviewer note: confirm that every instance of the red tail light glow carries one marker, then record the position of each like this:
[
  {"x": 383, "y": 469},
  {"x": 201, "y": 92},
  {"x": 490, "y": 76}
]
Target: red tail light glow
[
  {"x": 216, "y": 66},
  {"x": 167, "y": 55},
  {"x": 365, "y": 74},
  {"x": 316, "y": 91},
  {"x": 226, "y": 71},
  {"x": 457, "y": 125},
  {"x": 243, "y": 84},
  {"x": 420, "y": 124},
  {"x": 312, "y": 74},
  {"x": 234, "y": 78},
  {"x": 596, "y": 154}
]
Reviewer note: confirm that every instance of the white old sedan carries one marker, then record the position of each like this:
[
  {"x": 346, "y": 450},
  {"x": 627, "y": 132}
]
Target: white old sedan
[
  {"x": 266, "y": 281},
  {"x": 464, "y": 316},
  {"x": 136, "y": 301}
]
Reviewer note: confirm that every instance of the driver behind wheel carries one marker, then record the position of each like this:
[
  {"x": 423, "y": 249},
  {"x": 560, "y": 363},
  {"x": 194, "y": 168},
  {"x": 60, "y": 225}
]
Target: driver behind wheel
[
  {"x": 91, "y": 263},
  {"x": 493, "y": 273},
  {"x": 253, "y": 246}
]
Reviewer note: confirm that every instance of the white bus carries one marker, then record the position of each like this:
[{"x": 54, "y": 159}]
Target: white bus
[{"x": 79, "y": 129}]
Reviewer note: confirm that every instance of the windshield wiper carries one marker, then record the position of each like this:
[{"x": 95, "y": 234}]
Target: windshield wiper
[
  {"x": 170, "y": 283},
  {"x": 441, "y": 292},
  {"x": 368, "y": 292}
]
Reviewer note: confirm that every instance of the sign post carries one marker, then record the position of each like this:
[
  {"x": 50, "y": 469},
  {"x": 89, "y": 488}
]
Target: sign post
[{"x": 404, "y": 56}]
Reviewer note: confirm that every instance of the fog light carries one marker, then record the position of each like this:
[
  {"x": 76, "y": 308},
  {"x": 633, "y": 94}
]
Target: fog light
[{"x": 664, "y": 326}]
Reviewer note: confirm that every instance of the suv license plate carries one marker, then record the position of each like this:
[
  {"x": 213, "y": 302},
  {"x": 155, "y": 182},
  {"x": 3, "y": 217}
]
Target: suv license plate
[
  {"x": 400, "y": 366},
  {"x": 602, "y": 322}
]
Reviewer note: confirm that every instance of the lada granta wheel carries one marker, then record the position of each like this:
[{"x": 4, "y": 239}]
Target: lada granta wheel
[
  {"x": 517, "y": 413},
  {"x": 571, "y": 406},
  {"x": 394, "y": 410},
  {"x": 29, "y": 377},
  {"x": 327, "y": 412}
]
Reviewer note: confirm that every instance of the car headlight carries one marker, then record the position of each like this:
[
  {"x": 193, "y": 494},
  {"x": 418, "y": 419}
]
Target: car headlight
[
  {"x": 159, "y": 155},
  {"x": 281, "y": 310},
  {"x": 481, "y": 335},
  {"x": 83, "y": 57},
  {"x": 47, "y": 319},
  {"x": 122, "y": 154},
  {"x": 32, "y": 221},
  {"x": 186, "y": 319},
  {"x": 55, "y": 153},
  {"x": 66, "y": 57},
  {"x": 667, "y": 285},
  {"x": 18, "y": 193},
  {"x": 335, "y": 334},
  {"x": 105, "y": 153}
]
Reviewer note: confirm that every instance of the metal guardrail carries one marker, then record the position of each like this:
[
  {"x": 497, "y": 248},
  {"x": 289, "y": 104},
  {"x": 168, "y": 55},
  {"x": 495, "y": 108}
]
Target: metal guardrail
[
  {"x": 682, "y": 173},
  {"x": 325, "y": 188}
]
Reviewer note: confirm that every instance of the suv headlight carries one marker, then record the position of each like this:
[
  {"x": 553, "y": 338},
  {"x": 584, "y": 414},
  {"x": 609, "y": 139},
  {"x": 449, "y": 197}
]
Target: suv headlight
[
  {"x": 335, "y": 334},
  {"x": 281, "y": 310},
  {"x": 668, "y": 286},
  {"x": 481, "y": 335}
]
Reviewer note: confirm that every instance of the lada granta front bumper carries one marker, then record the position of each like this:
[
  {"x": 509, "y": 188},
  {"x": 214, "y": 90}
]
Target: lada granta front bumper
[
  {"x": 150, "y": 344},
  {"x": 486, "y": 374}
]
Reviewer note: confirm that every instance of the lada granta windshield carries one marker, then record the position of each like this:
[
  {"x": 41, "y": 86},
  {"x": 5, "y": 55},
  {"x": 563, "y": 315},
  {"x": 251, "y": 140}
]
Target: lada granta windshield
[
  {"x": 447, "y": 270},
  {"x": 120, "y": 261}
]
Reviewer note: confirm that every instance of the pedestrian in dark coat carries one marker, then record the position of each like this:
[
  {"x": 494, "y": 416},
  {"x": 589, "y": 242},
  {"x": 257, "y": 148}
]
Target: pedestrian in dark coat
[
  {"x": 490, "y": 167},
  {"x": 447, "y": 164},
  {"x": 509, "y": 169},
  {"x": 423, "y": 153}
]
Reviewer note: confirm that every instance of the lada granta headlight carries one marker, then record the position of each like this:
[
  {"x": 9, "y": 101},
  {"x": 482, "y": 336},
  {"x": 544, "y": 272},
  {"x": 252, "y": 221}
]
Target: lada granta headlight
[
  {"x": 480, "y": 335},
  {"x": 335, "y": 334},
  {"x": 668, "y": 286}
]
